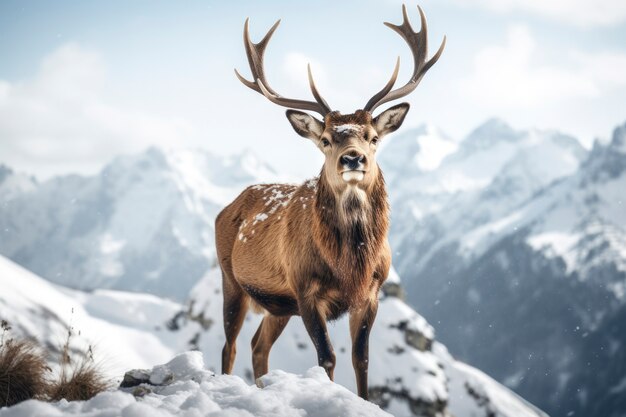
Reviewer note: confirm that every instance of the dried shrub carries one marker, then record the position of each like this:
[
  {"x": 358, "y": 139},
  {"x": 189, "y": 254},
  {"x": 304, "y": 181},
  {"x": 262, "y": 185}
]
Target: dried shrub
[
  {"x": 4, "y": 326},
  {"x": 23, "y": 372},
  {"x": 78, "y": 382}
]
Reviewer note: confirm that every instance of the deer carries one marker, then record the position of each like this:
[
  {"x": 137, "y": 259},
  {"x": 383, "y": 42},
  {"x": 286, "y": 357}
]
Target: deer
[{"x": 319, "y": 249}]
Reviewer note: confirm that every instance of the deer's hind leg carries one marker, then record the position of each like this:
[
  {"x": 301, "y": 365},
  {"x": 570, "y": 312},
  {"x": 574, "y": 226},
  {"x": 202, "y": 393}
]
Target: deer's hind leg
[
  {"x": 270, "y": 328},
  {"x": 236, "y": 303}
]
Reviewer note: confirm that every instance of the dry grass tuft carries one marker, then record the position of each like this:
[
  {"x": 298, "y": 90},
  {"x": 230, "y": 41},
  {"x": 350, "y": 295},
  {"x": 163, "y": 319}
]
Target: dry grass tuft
[
  {"x": 78, "y": 382},
  {"x": 81, "y": 383},
  {"x": 23, "y": 372}
]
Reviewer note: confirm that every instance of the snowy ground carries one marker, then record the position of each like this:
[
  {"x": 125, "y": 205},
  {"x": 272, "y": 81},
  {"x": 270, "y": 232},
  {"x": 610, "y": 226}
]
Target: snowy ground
[{"x": 183, "y": 387}]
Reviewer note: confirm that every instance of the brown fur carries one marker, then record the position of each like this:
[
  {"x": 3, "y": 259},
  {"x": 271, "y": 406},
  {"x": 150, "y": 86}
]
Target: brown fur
[{"x": 317, "y": 250}]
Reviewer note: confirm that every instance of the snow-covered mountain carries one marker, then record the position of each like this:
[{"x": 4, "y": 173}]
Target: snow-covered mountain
[
  {"x": 493, "y": 170},
  {"x": 145, "y": 223},
  {"x": 412, "y": 374},
  {"x": 510, "y": 242},
  {"x": 515, "y": 247}
]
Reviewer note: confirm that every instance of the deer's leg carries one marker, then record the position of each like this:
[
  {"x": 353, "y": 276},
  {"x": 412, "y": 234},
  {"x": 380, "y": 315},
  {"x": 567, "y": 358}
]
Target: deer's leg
[
  {"x": 315, "y": 324},
  {"x": 235, "y": 309},
  {"x": 270, "y": 328},
  {"x": 361, "y": 322}
]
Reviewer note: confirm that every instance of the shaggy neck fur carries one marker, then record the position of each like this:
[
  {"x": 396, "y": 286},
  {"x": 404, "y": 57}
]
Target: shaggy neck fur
[{"x": 350, "y": 231}]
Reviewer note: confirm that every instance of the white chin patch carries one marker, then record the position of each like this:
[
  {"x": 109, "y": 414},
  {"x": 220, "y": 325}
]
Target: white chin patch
[{"x": 352, "y": 176}]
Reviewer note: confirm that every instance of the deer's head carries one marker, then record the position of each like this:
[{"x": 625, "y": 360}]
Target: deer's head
[{"x": 348, "y": 141}]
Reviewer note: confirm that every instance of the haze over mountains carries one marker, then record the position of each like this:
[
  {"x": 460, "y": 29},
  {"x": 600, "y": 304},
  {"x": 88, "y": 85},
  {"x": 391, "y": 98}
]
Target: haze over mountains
[{"x": 511, "y": 243}]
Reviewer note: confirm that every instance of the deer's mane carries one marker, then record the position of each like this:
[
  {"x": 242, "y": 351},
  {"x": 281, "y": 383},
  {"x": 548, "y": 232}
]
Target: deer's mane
[{"x": 350, "y": 234}]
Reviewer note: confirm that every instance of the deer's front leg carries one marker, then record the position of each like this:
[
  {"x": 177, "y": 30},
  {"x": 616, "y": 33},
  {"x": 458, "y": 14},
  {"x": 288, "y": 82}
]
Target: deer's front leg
[
  {"x": 361, "y": 322},
  {"x": 315, "y": 324}
]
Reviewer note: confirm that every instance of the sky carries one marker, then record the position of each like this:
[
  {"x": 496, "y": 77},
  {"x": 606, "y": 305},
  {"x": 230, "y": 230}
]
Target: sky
[{"x": 82, "y": 82}]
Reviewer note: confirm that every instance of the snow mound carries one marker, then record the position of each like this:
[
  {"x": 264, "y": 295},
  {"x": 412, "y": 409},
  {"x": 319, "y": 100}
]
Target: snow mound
[{"x": 182, "y": 387}]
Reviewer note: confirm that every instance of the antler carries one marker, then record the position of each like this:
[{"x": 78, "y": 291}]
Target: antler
[
  {"x": 255, "y": 52},
  {"x": 418, "y": 42}
]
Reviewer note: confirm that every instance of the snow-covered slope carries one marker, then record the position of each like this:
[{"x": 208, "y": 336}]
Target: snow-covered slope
[
  {"x": 525, "y": 259},
  {"x": 145, "y": 223},
  {"x": 125, "y": 330},
  {"x": 580, "y": 220},
  {"x": 411, "y": 373}
]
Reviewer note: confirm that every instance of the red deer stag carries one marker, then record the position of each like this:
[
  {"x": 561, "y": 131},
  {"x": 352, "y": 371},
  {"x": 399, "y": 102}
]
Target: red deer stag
[{"x": 319, "y": 249}]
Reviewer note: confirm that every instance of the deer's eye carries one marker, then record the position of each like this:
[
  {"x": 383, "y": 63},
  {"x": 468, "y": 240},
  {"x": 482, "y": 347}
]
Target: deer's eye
[{"x": 325, "y": 142}]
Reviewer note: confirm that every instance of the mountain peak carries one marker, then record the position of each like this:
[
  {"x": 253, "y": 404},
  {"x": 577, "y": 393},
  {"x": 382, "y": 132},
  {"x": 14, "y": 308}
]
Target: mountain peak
[
  {"x": 14, "y": 183},
  {"x": 5, "y": 171},
  {"x": 607, "y": 160},
  {"x": 155, "y": 153},
  {"x": 492, "y": 131},
  {"x": 618, "y": 142}
]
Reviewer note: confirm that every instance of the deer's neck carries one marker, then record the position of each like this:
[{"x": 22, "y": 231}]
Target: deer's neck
[{"x": 350, "y": 232}]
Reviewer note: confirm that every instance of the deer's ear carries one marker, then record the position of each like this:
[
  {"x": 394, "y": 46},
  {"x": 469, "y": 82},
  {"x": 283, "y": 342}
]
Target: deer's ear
[
  {"x": 305, "y": 125},
  {"x": 391, "y": 119}
]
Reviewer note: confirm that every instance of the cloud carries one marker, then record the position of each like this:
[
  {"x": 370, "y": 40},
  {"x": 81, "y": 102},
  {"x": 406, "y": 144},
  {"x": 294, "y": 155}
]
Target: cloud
[
  {"x": 295, "y": 70},
  {"x": 345, "y": 96},
  {"x": 295, "y": 67},
  {"x": 59, "y": 121},
  {"x": 511, "y": 75},
  {"x": 577, "y": 12},
  {"x": 607, "y": 68}
]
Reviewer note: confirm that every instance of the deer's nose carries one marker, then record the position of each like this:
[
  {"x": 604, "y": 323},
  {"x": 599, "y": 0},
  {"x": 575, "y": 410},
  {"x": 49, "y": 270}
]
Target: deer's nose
[{"x": 352, "y": 161}]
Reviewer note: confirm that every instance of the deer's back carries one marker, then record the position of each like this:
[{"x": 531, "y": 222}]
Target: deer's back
[{"x": 253, "y": 238}]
